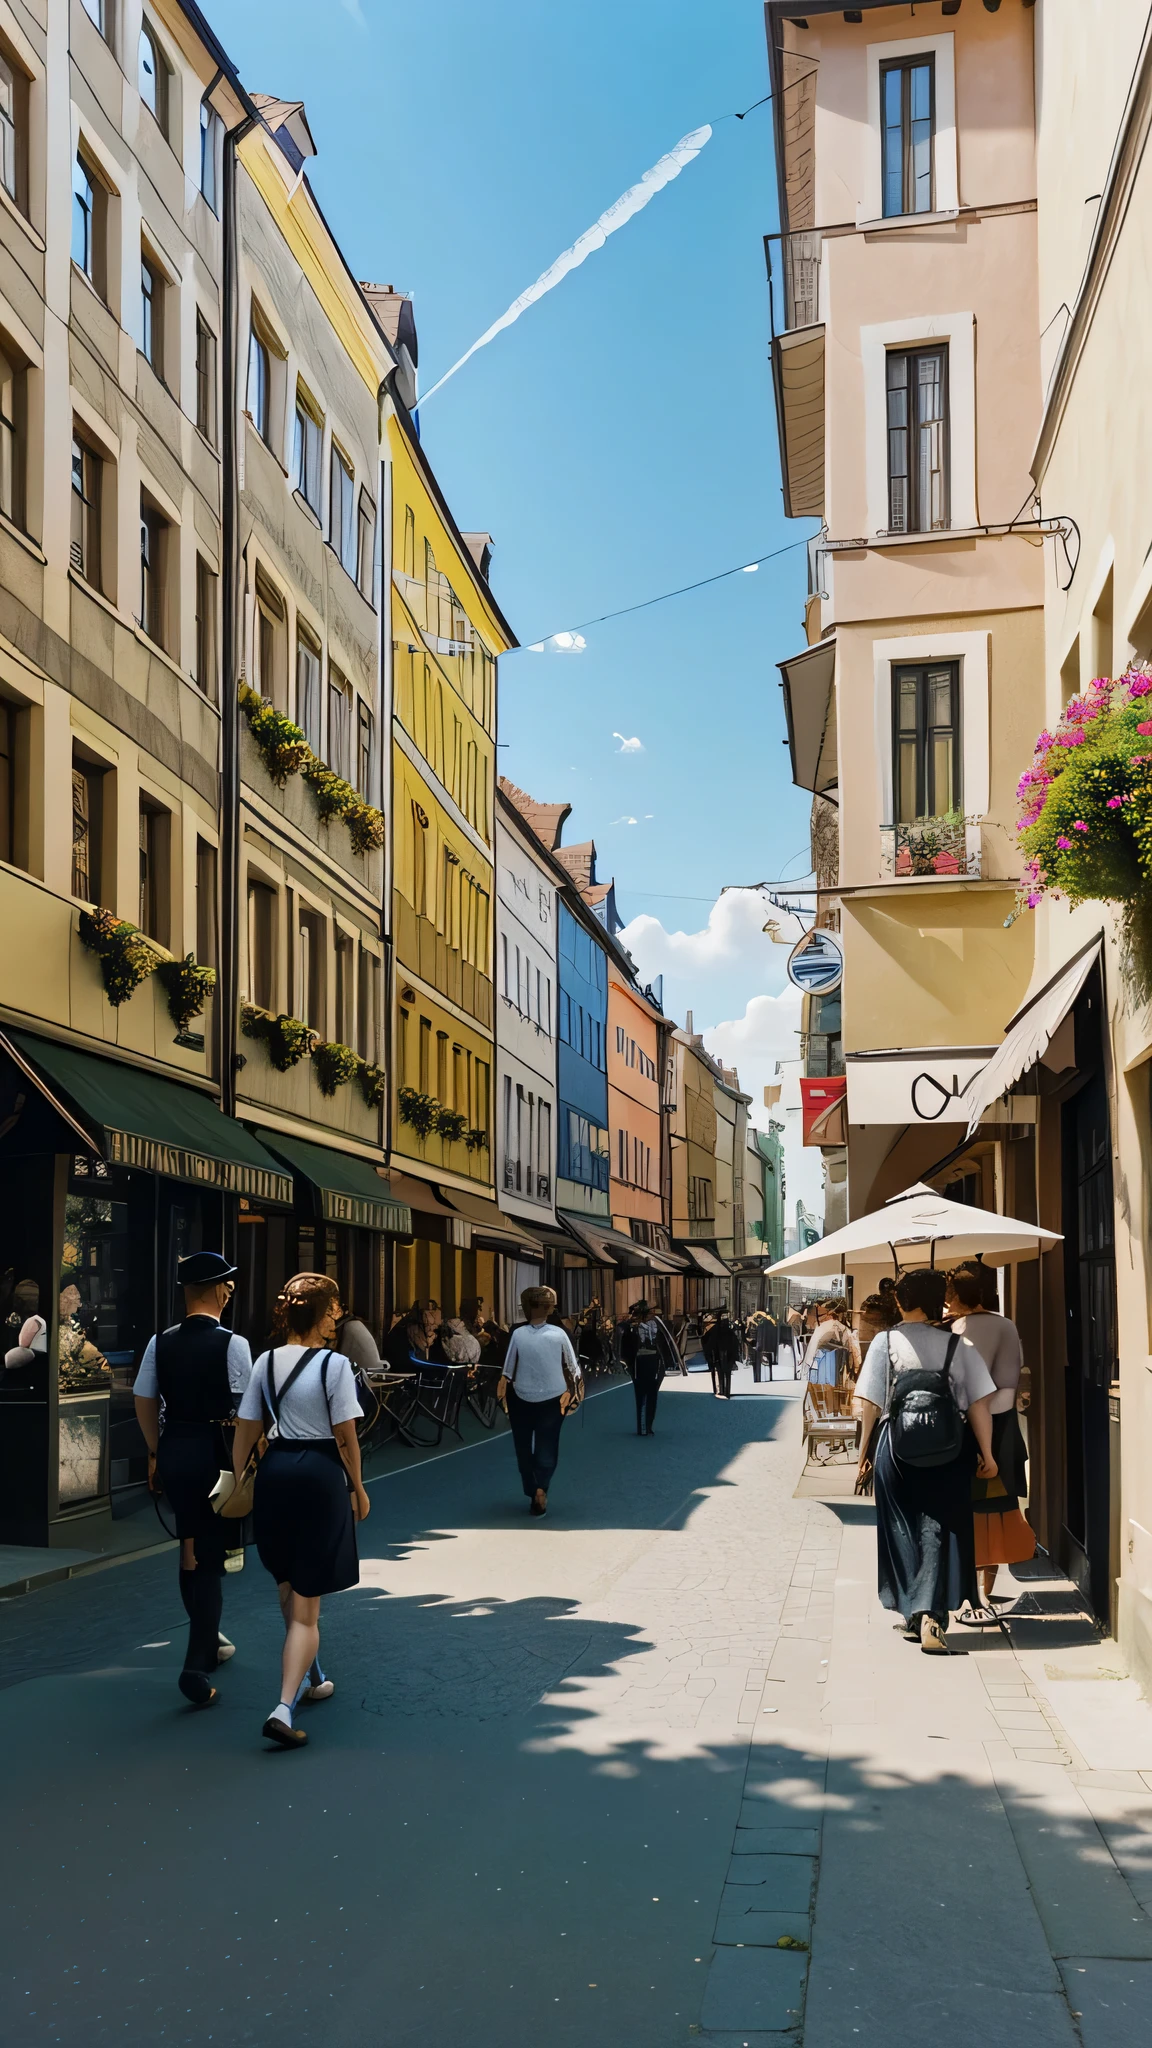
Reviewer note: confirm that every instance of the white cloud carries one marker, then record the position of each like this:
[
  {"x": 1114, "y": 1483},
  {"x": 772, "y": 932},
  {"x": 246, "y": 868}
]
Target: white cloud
[
  {"x": 734, "y": 934},
  {"x": 560, "y": 643},
  {"x": 765, "y": 1033},
  {"x": 632, "y": 746},
  {"x": 625, "y": 821}
]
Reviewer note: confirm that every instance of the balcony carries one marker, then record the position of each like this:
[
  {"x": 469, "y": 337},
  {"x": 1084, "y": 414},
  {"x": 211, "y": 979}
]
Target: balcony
[
  {"x": 798, "y": 367},
  {"x": 945, "y": 848}
]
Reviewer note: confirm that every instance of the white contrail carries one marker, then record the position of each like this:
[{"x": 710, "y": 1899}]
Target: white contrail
[{"x": 630, "y": 202}]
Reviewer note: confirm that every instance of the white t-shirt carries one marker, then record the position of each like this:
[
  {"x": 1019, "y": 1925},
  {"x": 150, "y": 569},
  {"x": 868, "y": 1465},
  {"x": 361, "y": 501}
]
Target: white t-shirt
[
  {"x": 916, "y": 1345},
  {"x": 305, "y": 1416},
  {"x": 536, "y": 1356}
]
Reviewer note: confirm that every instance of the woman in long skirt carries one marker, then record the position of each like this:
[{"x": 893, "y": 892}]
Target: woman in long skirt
[
  {"x": 1002, "y": 1535},
  {"x": 309, "y": 1491},
  {"x": 926, "y": 1558}
]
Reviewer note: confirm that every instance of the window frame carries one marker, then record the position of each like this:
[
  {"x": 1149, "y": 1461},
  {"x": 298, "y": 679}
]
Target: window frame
[
  {"x": 14, "y": 126},
  {"x": 153, "y": 593},
  {"x": 263, "y": 907},
  {"x": 14, "y": 437},
  {"x": 84, "y": 550},
  {"x": 922, "y": 671},
  {"x": 211, "y": 128},
  {"x": 310, "y": 714},
  {"x": 159, "y": 105},
  {"x": 94, "y": 212},
  {"x": 259, "y": 351},
  {"x": 342, "y": 538},
  {"x": 366, "y": 546},
  {"x": 912, "y": 429},
  {"x": 340, "y": 703},
  {"x": 153, "y": 287},
  {"x": 207, "y": 586},
  {"x": 270, "y": 629},
  {"x": 155, "y": 838},
  {"x": 205, "y": 374},
  {"x": 903, "y": 67},
  {"x": 308, "y": 449}
]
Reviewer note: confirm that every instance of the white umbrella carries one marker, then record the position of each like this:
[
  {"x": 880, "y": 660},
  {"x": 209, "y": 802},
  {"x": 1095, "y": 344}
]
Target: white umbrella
[{"x": 921, "y": 1228}]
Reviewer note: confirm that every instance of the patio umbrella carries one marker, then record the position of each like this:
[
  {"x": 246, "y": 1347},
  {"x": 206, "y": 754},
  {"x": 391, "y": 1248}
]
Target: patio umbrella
[{"x": 921, "y": 1228}]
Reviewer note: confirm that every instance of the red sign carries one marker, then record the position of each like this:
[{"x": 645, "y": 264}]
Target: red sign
[{"x": 824, "y": 1108}]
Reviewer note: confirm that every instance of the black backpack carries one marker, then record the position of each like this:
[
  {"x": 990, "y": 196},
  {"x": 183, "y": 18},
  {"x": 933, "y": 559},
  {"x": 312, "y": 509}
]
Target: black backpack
[{"x": 925, "y": 1426}]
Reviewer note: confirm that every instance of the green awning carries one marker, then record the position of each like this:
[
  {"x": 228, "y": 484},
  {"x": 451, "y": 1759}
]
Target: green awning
[
  {"x": 350, "y": 1189},
  {"x": 158, "y": 1125}
]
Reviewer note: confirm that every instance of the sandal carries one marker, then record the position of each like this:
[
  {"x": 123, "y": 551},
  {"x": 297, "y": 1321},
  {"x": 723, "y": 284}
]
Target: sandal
[
  {"x": 976, "y": 1617},
  {"x": 933, "y": 1641}
]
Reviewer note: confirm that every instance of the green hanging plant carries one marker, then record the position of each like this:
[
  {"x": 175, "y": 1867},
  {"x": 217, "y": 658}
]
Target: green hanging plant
[
  {"x": 285, "y": 752},
  {"x": 476, "y": 1140},
  {"x": 288, "y": 1040},
  {"x": 450, "y": 1125},
  {"x": 334, "y": 1064},
  {"x": 187, "y": 986},
  {"x": 126, "y": 956},
  {"x": 282, "y": 745},
  {"x": 418, "y": 1111},
  {"x": 373, "y": 1083}
]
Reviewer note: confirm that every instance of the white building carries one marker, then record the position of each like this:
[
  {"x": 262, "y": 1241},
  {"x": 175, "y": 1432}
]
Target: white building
[{"x": 526, "y": 1021}]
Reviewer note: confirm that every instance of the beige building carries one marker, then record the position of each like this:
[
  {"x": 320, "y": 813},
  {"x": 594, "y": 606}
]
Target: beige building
[
  {"x": 908, "y": 393},
  {"x": 696, "y": 1134}
]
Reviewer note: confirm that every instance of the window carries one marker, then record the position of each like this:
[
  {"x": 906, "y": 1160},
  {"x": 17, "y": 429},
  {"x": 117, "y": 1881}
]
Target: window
[
  {"x": 419, "y": 860},
  {"x": 366, "y": 552},
  {"x": 13, "y": 130},
  {"x": 13, "y": 783},
  {"x": 622, "y": 1156},
  {"x": 345, "y": 973},
  {"x": 926, "y": 707},
  {"x": 364, "y": 739},
  {"x": 13, "y": 432},
  {"x": 425, "y": 1074},
  {"x": 309, "y": 977},
  {"x": 89, "y": 224},
  {"x": 271, "y": 645},
  {"x": 84, "y": 548},
  {"x": 152, "y": 77},
  {"x": 205, "y": 903},
  {"x": 409, "y": 541},
  {"x": 917, "y": 440},
  {"x": 205, "y": 627},
  {"x": 342, "y": 509},
  {"x": 308, "y": 687},
  {"x": 205, "y": 379},
  {"x": 155, "y": 838},
  {"x": 908, "y": 120},
  {"x": 152, "y": 284},
  {"x": 154, "y": 533},
  {"x": 261, "y": 944},
  {"x": 99, "y": 12},
  {"x": 210, "y": 129},
  {"x": 307, "y": 441},
  {"x": 259, "y": 385},
  {"x": 87, "y": 829},
  {"x": 339, "y": 755},
  {"x": 368, "y": 1006}
]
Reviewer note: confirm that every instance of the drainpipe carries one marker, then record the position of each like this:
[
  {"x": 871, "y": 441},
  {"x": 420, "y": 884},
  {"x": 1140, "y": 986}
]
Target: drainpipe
[{"x": 232, "y": 626}]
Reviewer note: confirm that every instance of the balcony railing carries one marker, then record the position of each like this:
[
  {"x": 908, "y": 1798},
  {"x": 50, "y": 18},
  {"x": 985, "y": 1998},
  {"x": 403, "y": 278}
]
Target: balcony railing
[
  {"x": 932, "y": 846},
  {"x": 795, "y": 266}
]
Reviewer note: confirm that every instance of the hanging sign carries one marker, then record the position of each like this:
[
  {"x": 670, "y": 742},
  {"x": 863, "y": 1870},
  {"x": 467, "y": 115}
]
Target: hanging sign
[{"x": 816, "y": 964}]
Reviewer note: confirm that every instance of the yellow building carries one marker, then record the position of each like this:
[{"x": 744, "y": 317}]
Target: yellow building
[{"x": 447, "y": 632}]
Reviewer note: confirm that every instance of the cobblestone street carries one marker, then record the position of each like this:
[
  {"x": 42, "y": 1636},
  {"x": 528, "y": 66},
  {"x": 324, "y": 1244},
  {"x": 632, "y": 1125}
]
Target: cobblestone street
[{"x": 578, "y": 1781}]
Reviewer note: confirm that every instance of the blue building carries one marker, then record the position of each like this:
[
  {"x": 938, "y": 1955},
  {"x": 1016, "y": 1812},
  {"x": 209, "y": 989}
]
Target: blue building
[{"x": 582, "y": 1155}]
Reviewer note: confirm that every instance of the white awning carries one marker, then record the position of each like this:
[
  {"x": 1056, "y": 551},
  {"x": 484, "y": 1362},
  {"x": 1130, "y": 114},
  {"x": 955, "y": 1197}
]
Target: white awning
[
  {"x": 921, "y": 1228},
  {"x": 1029, "y": 1034}
]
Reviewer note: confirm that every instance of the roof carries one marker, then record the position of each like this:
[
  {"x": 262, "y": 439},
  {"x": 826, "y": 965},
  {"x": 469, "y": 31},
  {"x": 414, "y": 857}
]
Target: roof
[
  {"x": 397, "y": 318},
  {"x": 547, "y": 821},
  {"x": 580, "y": 862},
  {"x": 288, "y": 123}
]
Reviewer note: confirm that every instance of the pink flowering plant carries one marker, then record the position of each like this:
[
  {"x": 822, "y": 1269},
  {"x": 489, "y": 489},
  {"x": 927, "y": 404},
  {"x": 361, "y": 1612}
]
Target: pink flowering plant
[{"x": 1085, "y": 823}]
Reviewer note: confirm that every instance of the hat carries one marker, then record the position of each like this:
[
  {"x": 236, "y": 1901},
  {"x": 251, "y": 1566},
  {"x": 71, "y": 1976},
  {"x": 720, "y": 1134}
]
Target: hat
[
  {"x": 640, "y": 1308},
  {"x": 203, "y": 1269}
]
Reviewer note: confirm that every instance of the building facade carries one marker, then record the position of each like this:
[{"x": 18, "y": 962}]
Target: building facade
[
  {"x": 527, "y": 990},
  {"x": 694, "y": 1168}
]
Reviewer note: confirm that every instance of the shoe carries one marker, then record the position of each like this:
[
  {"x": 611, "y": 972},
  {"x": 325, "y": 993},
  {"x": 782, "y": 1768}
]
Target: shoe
[
  {"x": 932, "y": 1639},
  {"x": 539, "y": 1502},
  {"x": 976, "y": 1617},
  {"x": 323, "y": 1691},
  {"x": 224, "y": 1650},
  {"x": 197, "y": 1689},
  {"x": 288, "y": 1737}
]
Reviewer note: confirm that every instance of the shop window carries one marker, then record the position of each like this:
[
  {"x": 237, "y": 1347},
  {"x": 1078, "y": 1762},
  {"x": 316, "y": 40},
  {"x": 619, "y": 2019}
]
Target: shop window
[
  {"x": 908, "y": 118},
  {"x": 310, "y": 970},
  {"x": 339, "y": 755},
  {"x": 211, "y": 131},
  {"x": 153, "y": 292},
  {"x": 13, "y": 129},
  {"x": 155, "y": 547},
  {"x": 917, "y": 398},
  {"x": 271, "y": 644},
  {"x": 262, "y": 906},
  {"x": 205, "y": 380},
  {"x": 364, "y": 749},
  {"x": 259, "y": 385},
  {"x": 205, "y": 627},
  {"x": 87, "y": 479},
  {"x": 342, "y": 509},
  {"x": 345, "y": 988},
  {"x": 13, "y": 432},
  {"x": 155, "y": 871},
  {"x": 308, "y": 687},
  {"x": 88, "y": 811},
  {"x": 90, "y": 224},
  {"x": 365, "y": 548},
  {"x": 307, "y": 443},
  {"x": 205, "y": 903}
]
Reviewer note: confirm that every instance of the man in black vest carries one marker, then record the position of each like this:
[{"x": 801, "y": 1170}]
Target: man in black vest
[{"x": 190, "y": 1381}]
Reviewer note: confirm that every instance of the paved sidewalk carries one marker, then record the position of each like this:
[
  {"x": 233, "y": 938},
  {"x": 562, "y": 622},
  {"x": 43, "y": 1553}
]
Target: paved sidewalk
[{"x": 580, "y": 1781}]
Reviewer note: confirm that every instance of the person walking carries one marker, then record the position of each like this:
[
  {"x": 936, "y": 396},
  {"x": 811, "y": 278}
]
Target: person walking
[
  {"x": 832, "y": 1351},
  {"x": 648, "y": 1349},
  {"x": 309, "y": 1492},
  {"x": 190, "y": 1379},
  {"x": 926, "y": 1558},
  {"x": 1001, "y": 1533},
  {"x": 765, "y": 1344},
  {"x": 878, "y": 1312},
  {"x": 540, "y": 1369},
  {"x": 721, "y": 1349}
]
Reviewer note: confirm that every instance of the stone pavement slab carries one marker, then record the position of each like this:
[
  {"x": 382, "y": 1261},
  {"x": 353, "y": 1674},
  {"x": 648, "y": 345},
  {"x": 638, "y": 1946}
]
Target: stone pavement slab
[
  {"x": 756, "y": 1989},
  {"x": 1111, "y": 2002}
]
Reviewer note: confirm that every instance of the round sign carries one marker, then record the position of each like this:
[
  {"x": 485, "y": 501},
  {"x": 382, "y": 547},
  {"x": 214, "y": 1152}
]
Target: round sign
[{"x": 816, "y": 964}]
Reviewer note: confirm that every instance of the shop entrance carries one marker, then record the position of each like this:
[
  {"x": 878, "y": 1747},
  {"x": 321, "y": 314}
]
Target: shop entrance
[{"x": 1090, "y": 1305}]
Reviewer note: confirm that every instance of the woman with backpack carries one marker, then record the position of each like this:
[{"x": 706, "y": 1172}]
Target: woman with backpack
[
  {"x": 308, "y": 1494},
  {"x": 925, "y": 1398}
]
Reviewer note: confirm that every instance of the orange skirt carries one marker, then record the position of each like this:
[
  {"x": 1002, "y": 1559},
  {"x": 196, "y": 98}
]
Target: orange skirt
[{"x": 1004, "y": 1538}]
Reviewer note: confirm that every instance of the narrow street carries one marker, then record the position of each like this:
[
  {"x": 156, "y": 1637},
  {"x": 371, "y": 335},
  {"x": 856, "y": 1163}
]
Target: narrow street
[{"x": 579, "y": 1779}]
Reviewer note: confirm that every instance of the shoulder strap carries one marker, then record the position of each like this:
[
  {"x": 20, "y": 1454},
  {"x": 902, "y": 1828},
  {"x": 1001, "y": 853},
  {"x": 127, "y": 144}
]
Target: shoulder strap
[
  {"x": 953, "y": 1341},
  {"x": 891, "y": 1368},
  {"x": 324, "y": 1381},
  {"x": 274, "y": 1398}
]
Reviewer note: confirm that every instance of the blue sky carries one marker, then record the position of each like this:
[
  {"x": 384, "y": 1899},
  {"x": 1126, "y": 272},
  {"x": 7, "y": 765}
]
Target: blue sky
[{"x": 619, "y": 441}]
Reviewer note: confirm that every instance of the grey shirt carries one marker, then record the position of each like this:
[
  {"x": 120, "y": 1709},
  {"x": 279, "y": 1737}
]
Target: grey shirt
[
  {"x": 998, "y": 1342},
  {"x": 305, "y": 1416},
  {"x": 239, "y": 1368},
  {"x": 536, "y": 1358},
  {"x": 920, "y": 1344}
]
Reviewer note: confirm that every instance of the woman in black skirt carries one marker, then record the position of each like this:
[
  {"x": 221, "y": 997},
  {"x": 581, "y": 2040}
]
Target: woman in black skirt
[
  {"x": 926, "y": 1553},
  {"x": 308, "y": 1488}
]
